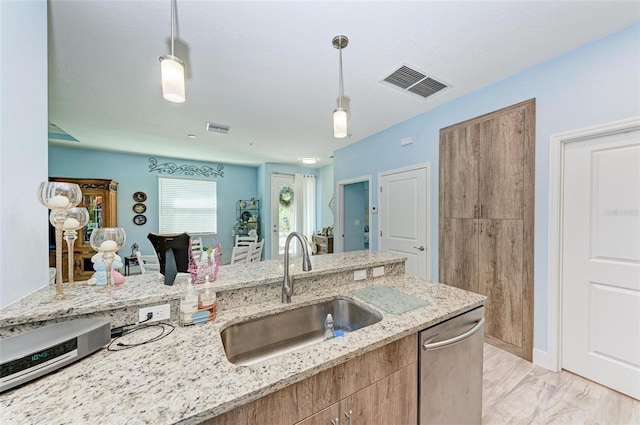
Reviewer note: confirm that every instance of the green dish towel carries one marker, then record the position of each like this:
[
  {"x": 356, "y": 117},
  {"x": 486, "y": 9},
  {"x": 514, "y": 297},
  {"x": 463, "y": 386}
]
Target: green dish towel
[{"x": 389, "y": 299}]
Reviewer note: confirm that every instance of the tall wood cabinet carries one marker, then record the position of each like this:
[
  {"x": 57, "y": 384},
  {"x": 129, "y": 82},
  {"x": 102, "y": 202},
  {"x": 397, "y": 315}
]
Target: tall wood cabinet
[
  {"x": 486, "y": 219},
  {"x": 99, "y": 197}
]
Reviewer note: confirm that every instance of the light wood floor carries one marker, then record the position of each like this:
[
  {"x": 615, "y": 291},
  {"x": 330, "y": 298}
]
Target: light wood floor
[{"x": 518, "y": 392}]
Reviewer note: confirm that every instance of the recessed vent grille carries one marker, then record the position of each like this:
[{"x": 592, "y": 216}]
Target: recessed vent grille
[
  {"x": 218, "y": 128},
  {"x": 416, "y": 82}
]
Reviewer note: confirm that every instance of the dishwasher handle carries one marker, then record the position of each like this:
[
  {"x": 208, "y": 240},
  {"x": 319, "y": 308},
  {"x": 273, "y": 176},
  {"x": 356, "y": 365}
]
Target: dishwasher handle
[{"x": 427, "y": 346}]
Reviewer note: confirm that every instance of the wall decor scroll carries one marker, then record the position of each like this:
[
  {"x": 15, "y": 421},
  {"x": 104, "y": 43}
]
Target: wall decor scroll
[{"x": 187, "y": 170}]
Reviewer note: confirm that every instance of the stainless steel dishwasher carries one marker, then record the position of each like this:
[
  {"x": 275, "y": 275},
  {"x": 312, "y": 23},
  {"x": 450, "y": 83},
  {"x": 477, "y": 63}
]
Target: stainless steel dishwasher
[{"x": 450, "y": 368}]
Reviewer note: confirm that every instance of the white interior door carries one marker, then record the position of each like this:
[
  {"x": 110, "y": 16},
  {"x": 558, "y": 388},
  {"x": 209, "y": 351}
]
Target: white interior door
[
  {"x": 601, "y": 260},
  {"x": 403, "y": 214}
]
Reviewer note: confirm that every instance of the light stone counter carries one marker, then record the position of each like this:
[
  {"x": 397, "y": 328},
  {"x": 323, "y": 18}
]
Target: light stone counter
[
  {"x": 186, "y": 378},
  {"x": 149, "y": 289}
]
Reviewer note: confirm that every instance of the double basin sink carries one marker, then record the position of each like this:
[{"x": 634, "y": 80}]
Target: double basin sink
[{"x": 259, "y": 339}]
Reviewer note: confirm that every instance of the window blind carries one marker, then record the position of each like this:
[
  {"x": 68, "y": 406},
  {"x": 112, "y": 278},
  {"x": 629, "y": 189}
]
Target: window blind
[{"x": 187, "y": 205}]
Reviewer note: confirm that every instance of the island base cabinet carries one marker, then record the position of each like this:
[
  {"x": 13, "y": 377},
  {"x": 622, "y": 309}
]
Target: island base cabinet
[
  {"x": 392, "y": 400},
  {"x": 378, "y": 387}
]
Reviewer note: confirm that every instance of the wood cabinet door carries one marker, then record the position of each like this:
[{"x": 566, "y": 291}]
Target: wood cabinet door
[
  {"x": 458, "y": 255},
  {"x": 459, "y": 172},
  {"x": 396, "y": 398},
  {"x": 328, "y": 416},
  {"x": 501, "y": 279},
  {"x": 501, "y": 166}
]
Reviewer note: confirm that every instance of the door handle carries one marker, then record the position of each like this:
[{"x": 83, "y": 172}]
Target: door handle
[
  {"x": 467, "y": 334},
  {"x": 335, "y": 421},
  {"x": 421, "y": 248},
  {"x": 348, "y": 415}
]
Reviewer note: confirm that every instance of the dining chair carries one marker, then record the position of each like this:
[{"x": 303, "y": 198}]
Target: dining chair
[
  {"x": 197, "y": 248},
  {"x": 240, "y": 254},
  {"x": 148, "y": 263},
  {"x": 255, "y": 252},
  {"x": 245, "y": 240}
]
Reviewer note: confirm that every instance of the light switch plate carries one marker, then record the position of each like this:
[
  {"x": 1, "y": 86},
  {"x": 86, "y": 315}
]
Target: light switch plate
[
  {"x": 378, "y": 271},
  {"x": 360, "y": 274}
]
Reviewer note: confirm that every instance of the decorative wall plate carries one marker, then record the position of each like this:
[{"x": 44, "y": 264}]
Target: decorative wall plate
[
  {"x": 139, "y": 208},
  {"x": 139, "y": 219},
  {"x": 139, "y": 196}
]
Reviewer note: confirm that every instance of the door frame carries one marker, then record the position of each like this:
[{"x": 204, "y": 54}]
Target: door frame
[
  {"x": 427, "y": 167},
  {"x": 552, "y": 358},
  {"x": 339, "y": 233},
  {"x": 274, "y": 213}
]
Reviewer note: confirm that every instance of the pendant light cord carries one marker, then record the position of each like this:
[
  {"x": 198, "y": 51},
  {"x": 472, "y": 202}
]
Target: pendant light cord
[
  {"x": 173, "y": 8},
  {"x": 340, "y": 76}
]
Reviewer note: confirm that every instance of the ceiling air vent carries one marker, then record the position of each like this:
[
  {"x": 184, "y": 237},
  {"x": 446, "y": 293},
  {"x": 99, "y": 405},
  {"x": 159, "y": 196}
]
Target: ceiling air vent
[
  {"x": 218, "y": 128},
  {"x": 410, "y": 80}
]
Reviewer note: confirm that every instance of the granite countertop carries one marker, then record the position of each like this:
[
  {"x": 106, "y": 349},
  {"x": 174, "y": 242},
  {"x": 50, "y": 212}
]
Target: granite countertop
[
  {"x": 186, "y": 378},
  {"x": 149, "y": 288}
]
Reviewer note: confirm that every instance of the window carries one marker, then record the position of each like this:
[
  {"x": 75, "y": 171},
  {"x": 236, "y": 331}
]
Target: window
[{"x": 187, "y": 205}]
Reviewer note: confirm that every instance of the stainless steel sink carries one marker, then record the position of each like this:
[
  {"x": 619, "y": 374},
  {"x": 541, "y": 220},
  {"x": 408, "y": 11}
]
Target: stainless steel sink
[{"x": 266, "y": 337}]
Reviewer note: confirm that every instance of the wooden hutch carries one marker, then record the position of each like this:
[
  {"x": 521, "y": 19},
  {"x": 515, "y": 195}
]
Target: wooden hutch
[{"x": 99, "y": 197}]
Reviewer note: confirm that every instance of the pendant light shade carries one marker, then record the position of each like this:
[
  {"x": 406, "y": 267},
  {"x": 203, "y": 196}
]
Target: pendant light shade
[
  {"x": 172, "y": 70},
  {"x": 340, "y": 114},
  {"x": 340, "y": 123}
]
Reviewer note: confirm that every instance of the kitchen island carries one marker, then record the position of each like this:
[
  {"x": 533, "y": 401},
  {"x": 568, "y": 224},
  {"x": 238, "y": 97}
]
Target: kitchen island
[{"x": 186, "y": 377}]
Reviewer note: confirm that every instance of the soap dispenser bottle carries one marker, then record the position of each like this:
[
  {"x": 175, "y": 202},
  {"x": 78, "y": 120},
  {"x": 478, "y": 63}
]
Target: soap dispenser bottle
[
  {"x": 188, "y": 304},
  {"x": 208, "y": 302},
  {"x": 328, "y": 327}
]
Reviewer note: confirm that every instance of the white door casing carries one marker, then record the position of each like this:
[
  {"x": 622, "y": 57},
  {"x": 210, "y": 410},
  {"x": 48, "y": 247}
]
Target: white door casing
[
  {"x": 404, "y": 216},
  {"x": 594, "y": 255},
  {"x": 338, "y": 239}
]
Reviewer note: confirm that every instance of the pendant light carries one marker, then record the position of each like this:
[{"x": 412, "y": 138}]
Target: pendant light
[
  {"x": 172, "y": 70},
  {"x": 340, "y": 114}
]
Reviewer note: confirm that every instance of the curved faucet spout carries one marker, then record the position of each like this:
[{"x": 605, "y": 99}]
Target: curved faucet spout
[{"x": 287, "y": 283}]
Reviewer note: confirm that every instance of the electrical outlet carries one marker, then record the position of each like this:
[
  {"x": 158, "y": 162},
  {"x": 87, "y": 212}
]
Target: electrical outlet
[
  {"x": 160, "y": 312},
  {"x": 378, "y": 271},
  {"x": 360, "y": 274}
]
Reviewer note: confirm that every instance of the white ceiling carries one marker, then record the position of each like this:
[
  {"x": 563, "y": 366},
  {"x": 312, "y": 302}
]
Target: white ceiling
[{"x": 268, "y": 69}]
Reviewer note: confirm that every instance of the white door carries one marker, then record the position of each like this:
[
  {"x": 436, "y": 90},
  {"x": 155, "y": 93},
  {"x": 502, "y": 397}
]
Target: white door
[
  {"x": 283, "y": 212},
  {"x": 601, "y": 260},
  {"x": 403, "y": 216}
]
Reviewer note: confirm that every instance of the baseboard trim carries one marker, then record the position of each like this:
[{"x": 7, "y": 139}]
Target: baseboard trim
[{"x": 544, "y": 359}]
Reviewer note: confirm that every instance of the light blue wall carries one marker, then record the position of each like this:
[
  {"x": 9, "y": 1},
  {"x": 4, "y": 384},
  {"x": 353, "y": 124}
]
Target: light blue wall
[
  {"x": 324, "y": 216},
  {"x": 133, "y": 175},
  {"x": 595, "y": 84}
]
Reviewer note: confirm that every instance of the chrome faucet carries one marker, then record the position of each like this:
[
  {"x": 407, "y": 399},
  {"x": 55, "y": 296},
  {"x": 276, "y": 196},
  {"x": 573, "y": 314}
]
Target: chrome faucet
[{"x": 287, "y": 283}]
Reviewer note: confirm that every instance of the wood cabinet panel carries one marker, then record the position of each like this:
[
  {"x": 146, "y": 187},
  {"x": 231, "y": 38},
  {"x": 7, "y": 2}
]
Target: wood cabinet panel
[
  {"x": 304, "y": 399},
  {"x": 459, "y": 240},
  {"x": 501, "y": 278},
  {"x": 459, "y": 172},
  {"x": 501, "y": 180},
  {"x": 391, "y": 400},
  {"x": 324, "y": 417}
]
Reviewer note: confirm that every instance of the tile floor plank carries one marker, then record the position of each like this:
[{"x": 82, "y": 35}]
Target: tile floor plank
[{"x": 518, "y": 392}]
